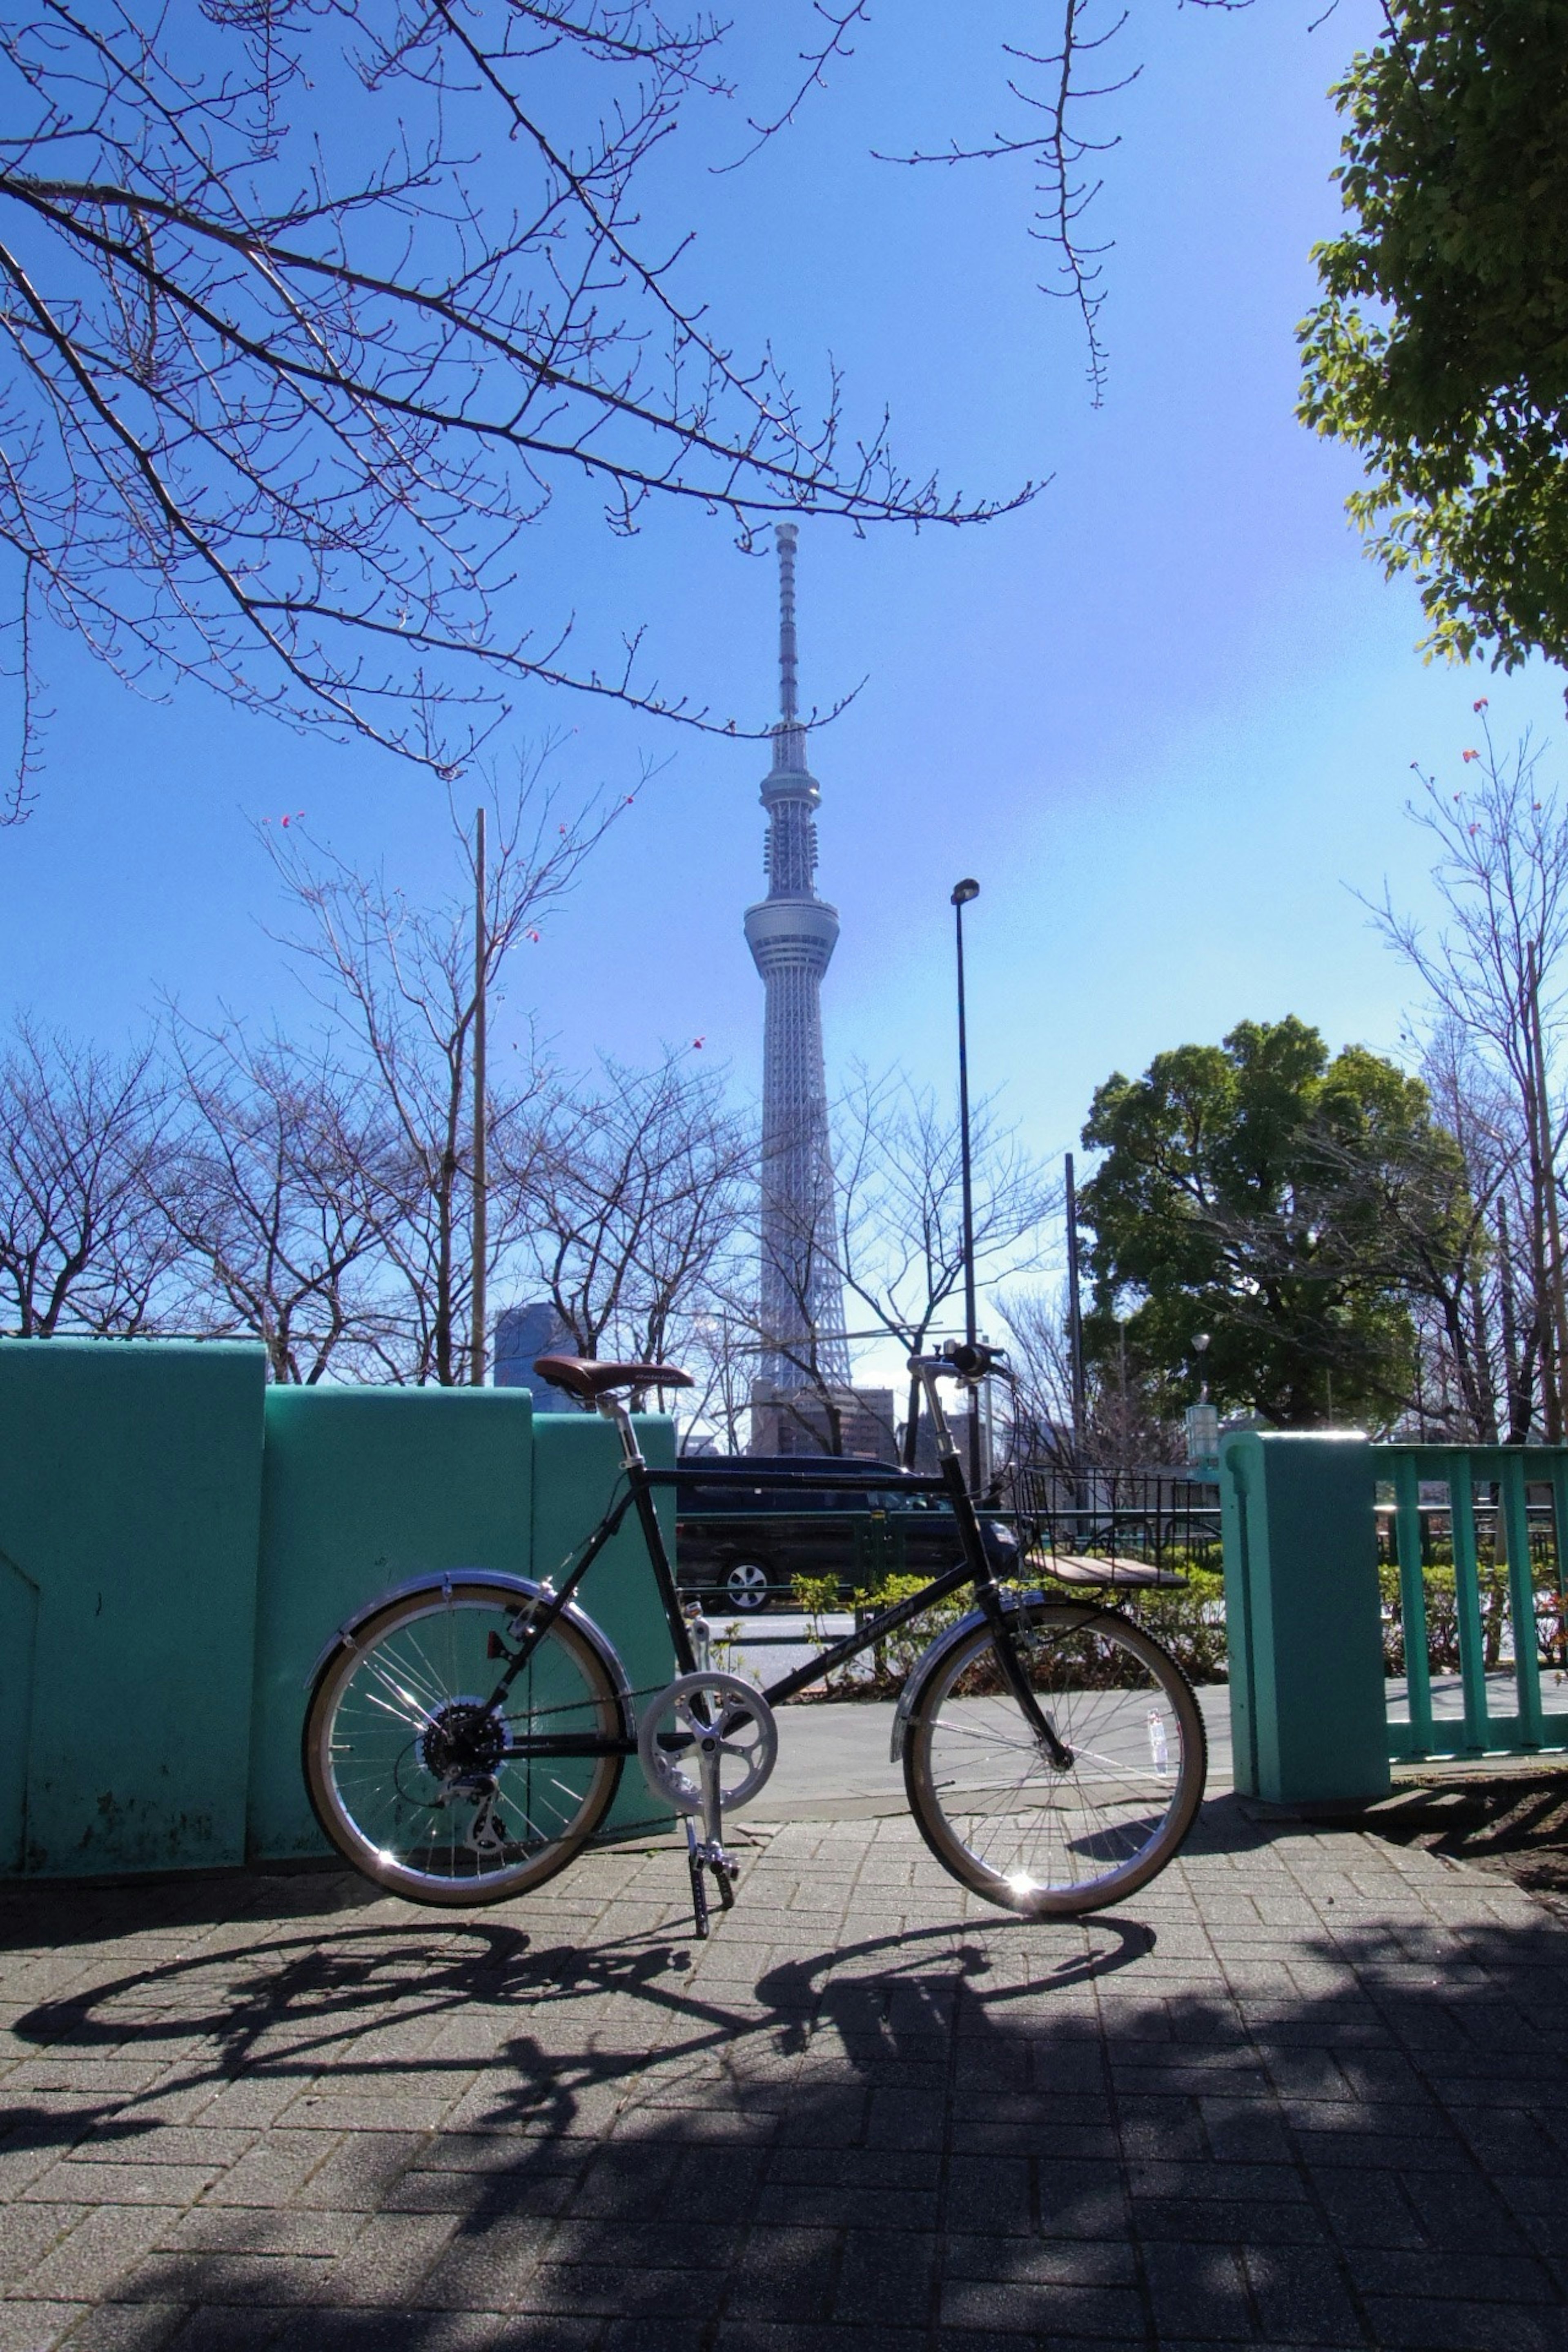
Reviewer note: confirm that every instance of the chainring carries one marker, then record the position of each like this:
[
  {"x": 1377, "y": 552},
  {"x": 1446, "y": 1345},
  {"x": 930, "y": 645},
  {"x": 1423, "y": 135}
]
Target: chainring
[{"x": 696, "y": 1709}]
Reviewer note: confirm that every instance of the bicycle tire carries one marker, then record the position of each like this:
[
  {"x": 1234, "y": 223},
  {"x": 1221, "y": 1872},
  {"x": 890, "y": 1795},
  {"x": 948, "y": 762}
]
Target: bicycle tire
[
  {"x": 1015, "y": 1828},
  {"x": 380, "y": 1724}
]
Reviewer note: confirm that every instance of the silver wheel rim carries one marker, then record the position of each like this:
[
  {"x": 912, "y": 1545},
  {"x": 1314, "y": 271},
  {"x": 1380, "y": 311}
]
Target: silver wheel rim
[
  {"x": 747, "y": 1586},
  {"x": 373, "y": 1750},
  {"x": 1027, "y": 1835}
]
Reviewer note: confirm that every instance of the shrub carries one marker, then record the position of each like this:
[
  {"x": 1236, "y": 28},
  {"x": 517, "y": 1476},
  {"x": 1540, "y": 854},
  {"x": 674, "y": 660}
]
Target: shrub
[{"x": 1188, "y": 1619}]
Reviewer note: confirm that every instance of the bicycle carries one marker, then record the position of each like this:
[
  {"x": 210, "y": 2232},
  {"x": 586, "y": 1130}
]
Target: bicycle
[{"x": 467, "y": 1731}]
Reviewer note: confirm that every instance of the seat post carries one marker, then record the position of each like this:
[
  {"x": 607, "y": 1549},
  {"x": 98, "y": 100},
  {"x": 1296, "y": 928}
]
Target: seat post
[{"x": 631, "y": 1452}]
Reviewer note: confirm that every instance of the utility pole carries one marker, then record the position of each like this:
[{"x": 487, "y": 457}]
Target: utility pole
[
  {"x": 480, "y": 1219},
  {"x": 962, "y": 892},
  {"x": 1075, "y": 1323},
  {"x": 1547, "y": 1156}
]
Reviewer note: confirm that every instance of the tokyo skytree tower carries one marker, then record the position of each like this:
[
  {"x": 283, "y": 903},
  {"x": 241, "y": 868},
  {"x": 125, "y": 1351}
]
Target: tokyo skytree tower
[{"x": 792, "y": 934}]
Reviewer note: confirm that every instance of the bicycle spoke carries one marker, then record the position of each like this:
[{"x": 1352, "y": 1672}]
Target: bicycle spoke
[
  {"x": 415, "y": 1774},
  {"x": 1034, "y": 1833}
]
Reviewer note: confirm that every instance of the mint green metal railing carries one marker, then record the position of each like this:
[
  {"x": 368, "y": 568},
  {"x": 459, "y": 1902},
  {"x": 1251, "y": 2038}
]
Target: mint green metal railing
[{"x": 1511, "y": 1470}]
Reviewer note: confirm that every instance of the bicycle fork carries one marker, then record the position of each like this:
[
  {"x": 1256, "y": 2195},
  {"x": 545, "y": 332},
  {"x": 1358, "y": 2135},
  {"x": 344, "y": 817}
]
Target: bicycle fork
[{"x": 985, "y": 1592}]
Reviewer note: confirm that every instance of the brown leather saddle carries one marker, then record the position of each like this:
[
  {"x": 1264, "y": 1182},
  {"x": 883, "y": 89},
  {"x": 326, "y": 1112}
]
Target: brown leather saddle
[{"x": 584, "y": 1376}]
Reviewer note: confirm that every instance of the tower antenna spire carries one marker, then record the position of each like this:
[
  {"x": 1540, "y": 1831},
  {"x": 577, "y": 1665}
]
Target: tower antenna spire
[
  {"x": 785, "y": 535},
  {"x": 792, "y": 934}
]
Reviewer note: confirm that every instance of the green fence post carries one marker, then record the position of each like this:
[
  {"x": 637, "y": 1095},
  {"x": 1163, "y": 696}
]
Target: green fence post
[
  {"x": 1468, "y": 1601},
  {"x": 1303, "y": 1619},
  {"x": 1514, "y": 1515},
  {"x": 1413, "y": 1605}
]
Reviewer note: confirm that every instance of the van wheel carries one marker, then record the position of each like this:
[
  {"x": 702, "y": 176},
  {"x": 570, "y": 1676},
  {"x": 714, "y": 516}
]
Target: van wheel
[{"x": 747, "y": 1585}]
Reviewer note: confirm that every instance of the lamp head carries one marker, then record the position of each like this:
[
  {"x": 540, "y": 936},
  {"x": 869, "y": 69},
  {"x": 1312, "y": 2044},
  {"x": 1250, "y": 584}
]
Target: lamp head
[{"x": 964, "y": 891}]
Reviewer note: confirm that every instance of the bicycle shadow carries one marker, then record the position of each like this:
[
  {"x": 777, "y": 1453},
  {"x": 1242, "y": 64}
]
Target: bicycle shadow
[{"x": 978, "y": 2124}]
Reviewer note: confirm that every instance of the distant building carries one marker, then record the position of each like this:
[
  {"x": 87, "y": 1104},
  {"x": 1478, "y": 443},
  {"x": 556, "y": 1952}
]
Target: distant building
[
  {"x": 801, "y": 1421},
  {"x": 522, "y": 1335},
  {"x": 958, "y": 1423}
]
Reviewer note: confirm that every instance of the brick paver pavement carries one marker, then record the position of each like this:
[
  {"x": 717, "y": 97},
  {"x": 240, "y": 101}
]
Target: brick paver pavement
[{"x": 1308, "y": 2090}]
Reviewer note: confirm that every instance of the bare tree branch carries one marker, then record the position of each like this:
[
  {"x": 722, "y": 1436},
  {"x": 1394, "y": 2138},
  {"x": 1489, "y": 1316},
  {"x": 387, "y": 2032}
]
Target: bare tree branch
[{"x": 279, "y": 407}]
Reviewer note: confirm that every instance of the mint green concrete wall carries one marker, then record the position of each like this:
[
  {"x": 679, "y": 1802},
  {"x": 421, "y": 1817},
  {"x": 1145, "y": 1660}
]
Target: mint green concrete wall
[
  {"x": 177, "y": 1544},
  {"x": 130, "y": 1492},
  {"x": 362, "y": 1488},
  {"x": 1302, "y": 1616},
  {"x": 576, "y": 1459}
]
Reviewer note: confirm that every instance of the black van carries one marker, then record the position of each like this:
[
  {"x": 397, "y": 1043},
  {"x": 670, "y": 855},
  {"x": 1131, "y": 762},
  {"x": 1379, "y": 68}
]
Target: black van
[{"x": 738, "y": 1545}]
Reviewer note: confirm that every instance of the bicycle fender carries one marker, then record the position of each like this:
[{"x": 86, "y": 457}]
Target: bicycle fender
[
  {"x": 442, "y": 1580},
  {"x": 931, "y": 1659}
]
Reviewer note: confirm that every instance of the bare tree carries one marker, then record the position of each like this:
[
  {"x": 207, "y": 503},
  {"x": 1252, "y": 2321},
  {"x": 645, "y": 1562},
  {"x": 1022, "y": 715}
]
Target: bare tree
[
  {"x": 632, "y": 1204},
  {"x": 1496, "y": 980},
  {"x": 82, "y": 1148},
  {"x": 1124, "y": 1428},
  {"x": 277, "y": 1197},
  {"x": 285, "y": 388},
  {"x": 398, "y": 981},
  {"x": 896, "y": 1240},
  {"x": 899, "y": 1161}
]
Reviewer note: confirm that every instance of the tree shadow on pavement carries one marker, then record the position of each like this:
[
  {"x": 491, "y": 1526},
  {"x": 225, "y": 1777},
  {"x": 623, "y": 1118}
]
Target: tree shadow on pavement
[{"x": 1303, "y": 2092}]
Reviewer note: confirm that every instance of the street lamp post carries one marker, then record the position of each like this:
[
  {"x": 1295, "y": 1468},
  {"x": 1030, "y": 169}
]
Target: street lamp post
[{"x": 962, "y": 892}]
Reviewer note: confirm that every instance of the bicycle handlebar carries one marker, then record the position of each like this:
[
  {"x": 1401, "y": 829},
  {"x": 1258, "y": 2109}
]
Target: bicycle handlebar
[{"x": 962, "y": 1363}]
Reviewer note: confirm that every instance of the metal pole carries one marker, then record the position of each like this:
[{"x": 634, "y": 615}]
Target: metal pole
[
  {"x": 1549, "y": 1176},
  {"x": 1075, "y": 1322},
  {"x": 481, "y": 1235},
  {"x": 962, "y": 894}
]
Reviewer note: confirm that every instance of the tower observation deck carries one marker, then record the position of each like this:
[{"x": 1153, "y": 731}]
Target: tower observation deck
[{"x": 792, "y": 934}]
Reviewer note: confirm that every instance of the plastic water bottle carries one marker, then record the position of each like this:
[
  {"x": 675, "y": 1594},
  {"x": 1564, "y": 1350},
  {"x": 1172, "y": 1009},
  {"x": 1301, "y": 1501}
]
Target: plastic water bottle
[{"x": 1158, "y": 1750}]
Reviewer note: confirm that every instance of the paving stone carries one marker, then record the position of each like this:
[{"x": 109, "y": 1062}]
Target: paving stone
[
  {"x": 129, "y": 2328},
  {"x": 37, "y": 2326},
  {"x": 485, "y": 2267},
  {"x": 1303, "y": 2091},
  {"x": 103, "y": 2248},
  {"x": 1302, "y": 2295},
  {"x": 222, "y": 2328},
  {"x": 1419, "y": 2326}
]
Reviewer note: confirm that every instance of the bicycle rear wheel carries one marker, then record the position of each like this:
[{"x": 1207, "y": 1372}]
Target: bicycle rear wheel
[
  {"x": 1025, "y": 1833},
  {"x": 420, "y": 1785}
]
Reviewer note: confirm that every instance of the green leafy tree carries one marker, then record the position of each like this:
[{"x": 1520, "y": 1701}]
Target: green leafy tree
[
  {"x": 1440, "y": 349},
  {"x": 1289, "y": 1204}
]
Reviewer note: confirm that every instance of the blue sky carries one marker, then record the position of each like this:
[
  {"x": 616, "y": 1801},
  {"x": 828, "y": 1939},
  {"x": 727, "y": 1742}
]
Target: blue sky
[{"x": 1166, "y": 716}]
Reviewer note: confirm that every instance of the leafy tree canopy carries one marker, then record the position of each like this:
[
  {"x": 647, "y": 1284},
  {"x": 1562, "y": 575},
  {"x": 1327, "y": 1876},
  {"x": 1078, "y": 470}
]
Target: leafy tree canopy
[
  {"x": 1283, "y": 1202},
  {"x": 1440, "y": 350}
]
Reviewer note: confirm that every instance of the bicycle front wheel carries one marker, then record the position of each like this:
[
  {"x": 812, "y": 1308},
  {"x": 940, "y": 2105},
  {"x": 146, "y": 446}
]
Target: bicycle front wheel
[
  {"x": 1042, "y": 1839},
  {"x": 428, "y": 1789}
]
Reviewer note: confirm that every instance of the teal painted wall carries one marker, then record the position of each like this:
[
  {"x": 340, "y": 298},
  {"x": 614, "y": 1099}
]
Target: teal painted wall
[
  {"x": 18, "y": 1644},
  {"x": 177, "y": 1544},
  {"x": 130, "y": 1497},
  {"x": 362, "y": 1488}
]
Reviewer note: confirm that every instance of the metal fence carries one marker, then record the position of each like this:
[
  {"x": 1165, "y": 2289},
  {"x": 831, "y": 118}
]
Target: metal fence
[
  {"x": 1471, "y": 1546},
  {"x": 1156, "y": 1517}
]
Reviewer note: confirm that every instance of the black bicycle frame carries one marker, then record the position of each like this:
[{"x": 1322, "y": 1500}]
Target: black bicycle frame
[{"x": 642, "y": 1483}]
